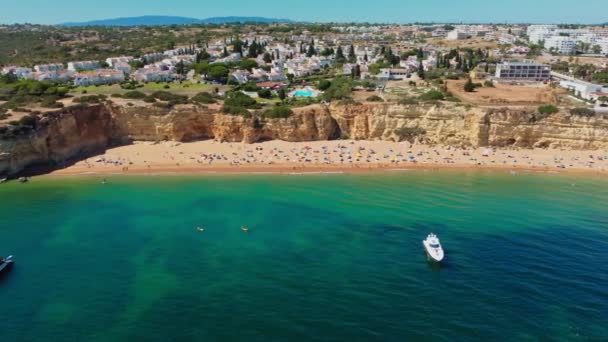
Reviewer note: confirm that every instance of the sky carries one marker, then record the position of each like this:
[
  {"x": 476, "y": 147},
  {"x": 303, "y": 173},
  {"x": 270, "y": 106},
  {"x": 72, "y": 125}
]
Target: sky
[{"x": 379, "y": 11}]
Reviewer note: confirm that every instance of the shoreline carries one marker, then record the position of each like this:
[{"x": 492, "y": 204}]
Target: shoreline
[
  {"x": 170, "y": 170},
  {"x": 325, "y": 157}
]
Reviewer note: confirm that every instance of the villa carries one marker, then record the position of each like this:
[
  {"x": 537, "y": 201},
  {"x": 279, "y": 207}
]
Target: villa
[
  {"x": 99, "y": 77},
  {"x": 153, "y": 74},
  {"x": 119, "y": 60},
  {"x": 19, "y": 72},
  {"x": 48, "y": 67},
  {"x": 83, "y": 65},
  {"x": 241, "y": 76},
  {"x": 394, "y": 74},
  {"x": 54, "y": 76}
]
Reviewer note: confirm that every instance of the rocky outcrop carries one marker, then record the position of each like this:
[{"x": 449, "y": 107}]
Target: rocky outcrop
[
  {"x": 78, "y": 131},
  {"x": 522, "y": 128},
  {"x": 190, "y": 123},
  {"x": 454, "y": 125},
  {"x": 58, "y": 137}
]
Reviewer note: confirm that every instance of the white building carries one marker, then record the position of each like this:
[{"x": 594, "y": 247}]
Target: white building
[
  {"x": 54, "y": 76},
  {"x": 241, "y": 76},
  {"x": 506, "y": 38},
  {"x": 48, "y": 67},
  {"x": 153, "y": 74},
  {"x": 347, "y": 69},
  {"x": 458, "y": 35},
  {"x": 152, "y": 57},
  {"x": 99, "y": 77},
  {"x": 538, "y": 33},
  {"x": 19, "y": 72},
  {"x": 523, "y": 70},
  {"x": 603, "y": 44},
  {"x": 583, "y": 89},
  {"x": 561, "y": 44},
  {"x": 394, "y": 74},
  {"x": 83, "y": 65},
  {"x": 124, "y": 67},
  {"x": 119, "y": 60}
]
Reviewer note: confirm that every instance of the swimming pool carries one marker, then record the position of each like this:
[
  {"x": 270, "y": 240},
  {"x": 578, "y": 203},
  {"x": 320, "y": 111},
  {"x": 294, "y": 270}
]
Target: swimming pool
[{"x": 303, "y": 93}]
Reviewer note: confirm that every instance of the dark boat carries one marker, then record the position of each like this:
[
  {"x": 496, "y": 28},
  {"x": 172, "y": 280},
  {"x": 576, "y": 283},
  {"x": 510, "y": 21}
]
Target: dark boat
[{"x": 5, "y": 263}]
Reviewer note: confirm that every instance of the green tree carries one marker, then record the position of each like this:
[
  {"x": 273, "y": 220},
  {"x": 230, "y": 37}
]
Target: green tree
[
  {"x": 265, "y": 93},
  {"x": 282, "y": 94},
  {"x": 340, "y": 55},
  {"x": 352, "y": 58},
  {"x": 267, "y": 58},
  {"x": 311, "y": 51},
  {"x": 469, "y": 87},
  {"x": 324, "y": 85},
  {"x": 421, "y": 71},
  {"x": 253, "y": 49},
  {"x": 218, "y": 72},
  {"x": 237, "y": 46}
]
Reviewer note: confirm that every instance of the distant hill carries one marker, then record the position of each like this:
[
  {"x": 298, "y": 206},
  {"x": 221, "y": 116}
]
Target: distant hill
[{"x": 151, "y": 20}]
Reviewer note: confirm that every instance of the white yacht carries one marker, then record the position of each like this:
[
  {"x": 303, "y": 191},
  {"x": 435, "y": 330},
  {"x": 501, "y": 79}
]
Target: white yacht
[{"x": 433, "y": 248}]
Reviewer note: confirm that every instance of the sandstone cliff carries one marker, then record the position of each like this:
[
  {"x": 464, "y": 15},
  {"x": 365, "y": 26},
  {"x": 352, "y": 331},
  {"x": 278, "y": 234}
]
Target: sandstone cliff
[
  {"x": 60, "y": 136},
  {"x": 78, "y": 131}
]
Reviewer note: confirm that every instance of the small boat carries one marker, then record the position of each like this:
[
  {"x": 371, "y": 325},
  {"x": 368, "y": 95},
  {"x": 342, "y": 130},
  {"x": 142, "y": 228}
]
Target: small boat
[
  {"x": 245, "y": 229},
  {"x": 200, "y": 229},
  {"x": 5, "y": 263},
  {"x": 433, "y": 248}
]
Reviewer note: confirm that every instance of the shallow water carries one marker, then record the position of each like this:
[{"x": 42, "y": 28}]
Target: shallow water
[{"x": 327, "y": 257}]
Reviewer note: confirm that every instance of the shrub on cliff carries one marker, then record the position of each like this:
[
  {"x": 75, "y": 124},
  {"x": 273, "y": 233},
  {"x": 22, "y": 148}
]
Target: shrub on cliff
[
  {"x": 236, "y": 110},
  {"x": 323, "y": 85},
  {"x": 50, "y": 103},
  {"x": 134, "y": 95},
  {"x": 375, "y": 98},
  {"x": 469, "y": 86},
  {"x": 548, "y": 110},
  {"x": 239, "y": 99},
  {"x": 173, "y": 99},
  {"x": 407, "y": 101},
  {"x": 340, "y": 88},
  {"x": 265, "y": 93},
  {"x": 586, "y": 112},
  {"x": 89, "y": 99},
  {"x": 432, "y": 95},
  {"x": 409, "y": 133},
  {"x": 28, "y": 121},
  {"x": 279, "y": 112},
  {"x": 204, "y": 98}
]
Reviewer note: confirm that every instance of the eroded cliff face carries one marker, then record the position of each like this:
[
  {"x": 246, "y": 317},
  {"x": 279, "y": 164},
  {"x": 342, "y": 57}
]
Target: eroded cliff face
[
  {"x": 189, "y": 123},
  {"x": 520, "y": 128},
  {"x": 59, "y": 137},
  {"x": 75, "y": 132},
  {"x": 454, "y": 125}
]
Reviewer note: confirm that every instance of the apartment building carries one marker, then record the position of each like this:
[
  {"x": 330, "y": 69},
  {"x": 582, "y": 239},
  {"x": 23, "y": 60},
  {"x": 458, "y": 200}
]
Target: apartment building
[
  {"x": 48, "y": 67},
  {"x": 83, "y": 65},
  {"x": 523, "y": 70},
  {"x": 538, "y": 33},
  {"x": 561, "y": 44}
]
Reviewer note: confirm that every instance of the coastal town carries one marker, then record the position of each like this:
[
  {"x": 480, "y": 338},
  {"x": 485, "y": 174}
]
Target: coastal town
[
  {"x": 512, "y": 54},
  {"x": 265, "y": 72},
  {"x": 248, "y": 170}
]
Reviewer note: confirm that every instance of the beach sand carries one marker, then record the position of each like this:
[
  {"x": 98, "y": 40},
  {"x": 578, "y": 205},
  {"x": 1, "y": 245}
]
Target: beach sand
[{"x": 325, "y": 156}]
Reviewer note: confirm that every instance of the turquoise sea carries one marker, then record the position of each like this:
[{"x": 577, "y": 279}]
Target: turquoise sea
[{"x": 327, "y": 258}]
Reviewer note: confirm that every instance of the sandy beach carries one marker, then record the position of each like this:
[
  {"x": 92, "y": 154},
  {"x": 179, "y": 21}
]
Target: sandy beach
[{"x": 325, "y": 156}]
